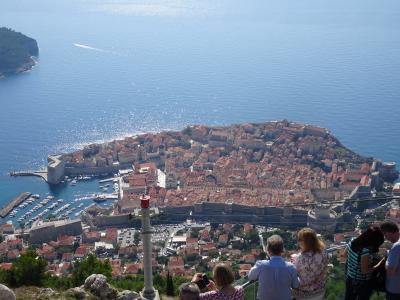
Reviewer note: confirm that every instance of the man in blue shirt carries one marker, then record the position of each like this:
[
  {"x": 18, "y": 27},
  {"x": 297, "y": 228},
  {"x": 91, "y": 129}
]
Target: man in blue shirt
[
  {"x": 391, "y": 232},
  {"x": 275, "y": 276}
]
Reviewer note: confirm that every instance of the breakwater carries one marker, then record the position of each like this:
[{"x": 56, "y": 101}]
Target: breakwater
[
  {"x": 41, "y": 174},
  {"x": 13, "y": 203}
]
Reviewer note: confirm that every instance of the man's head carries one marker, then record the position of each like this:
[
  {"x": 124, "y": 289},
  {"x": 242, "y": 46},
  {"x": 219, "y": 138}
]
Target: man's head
[
  {"x": 390, "y": 231},
  {"x": 189, "y": 291},
  {"x": 275, "y": 245}
]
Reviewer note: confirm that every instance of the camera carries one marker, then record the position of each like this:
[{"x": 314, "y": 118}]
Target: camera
[{"x": 202, "y": 284}]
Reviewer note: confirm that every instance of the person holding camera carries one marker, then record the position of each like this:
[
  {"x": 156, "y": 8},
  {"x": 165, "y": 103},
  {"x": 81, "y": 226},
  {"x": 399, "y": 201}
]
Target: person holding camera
[
  {"x": 360, "y": 263},
  {"x": 222, "y": 288}
]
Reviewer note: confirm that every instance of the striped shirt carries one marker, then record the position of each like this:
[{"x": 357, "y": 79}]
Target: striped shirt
[{"x": 354, "y": 263}]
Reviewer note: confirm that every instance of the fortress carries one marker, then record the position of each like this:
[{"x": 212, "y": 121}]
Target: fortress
[{"x": 58, "y": 168}]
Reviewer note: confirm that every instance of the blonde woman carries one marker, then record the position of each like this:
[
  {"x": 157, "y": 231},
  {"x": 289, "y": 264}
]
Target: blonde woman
[
  {"x": 222, "y": 288},
  {"x": 311, "y": 265}
]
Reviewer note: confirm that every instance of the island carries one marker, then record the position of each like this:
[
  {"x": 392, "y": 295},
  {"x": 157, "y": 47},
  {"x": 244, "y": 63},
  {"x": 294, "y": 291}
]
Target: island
[{"x": 17, "y": 52}]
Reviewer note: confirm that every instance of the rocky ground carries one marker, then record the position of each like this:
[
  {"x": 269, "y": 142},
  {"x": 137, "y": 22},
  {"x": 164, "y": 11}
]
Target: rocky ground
[{"x": 95, "y": 288}]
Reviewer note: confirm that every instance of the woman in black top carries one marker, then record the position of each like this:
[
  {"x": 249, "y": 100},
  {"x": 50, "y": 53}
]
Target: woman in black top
[{"x": 359, "y": 264}]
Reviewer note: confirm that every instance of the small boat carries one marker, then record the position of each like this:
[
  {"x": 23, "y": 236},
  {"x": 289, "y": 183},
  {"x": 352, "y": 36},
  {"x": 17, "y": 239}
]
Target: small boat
[{"x": 100, "y": 198}]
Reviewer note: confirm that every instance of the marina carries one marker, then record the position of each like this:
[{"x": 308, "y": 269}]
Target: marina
[{"x": 69, "y": 202}]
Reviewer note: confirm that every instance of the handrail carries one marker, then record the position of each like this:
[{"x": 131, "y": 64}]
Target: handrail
[{"x": 247, "y": 283}]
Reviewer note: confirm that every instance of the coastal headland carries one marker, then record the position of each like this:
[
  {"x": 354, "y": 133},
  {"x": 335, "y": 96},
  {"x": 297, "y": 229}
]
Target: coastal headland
[
  {"x": 17, "y": 52},
  {"x": 274, "y": 173},
  {"x": 271, "y": 164},
  {"x": 260, "y": 164}
]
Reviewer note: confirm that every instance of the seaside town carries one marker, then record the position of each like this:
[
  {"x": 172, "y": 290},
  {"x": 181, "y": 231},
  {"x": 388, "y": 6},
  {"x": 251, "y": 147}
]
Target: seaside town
[{"x": 215, "y": 195}]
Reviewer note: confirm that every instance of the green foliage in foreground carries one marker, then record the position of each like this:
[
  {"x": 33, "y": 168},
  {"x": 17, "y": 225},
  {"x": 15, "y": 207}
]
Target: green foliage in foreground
[
  {"x": 88, "y": 266},
  {"x": 335, "y": 288},
  {"x": 28, "y": 269}
]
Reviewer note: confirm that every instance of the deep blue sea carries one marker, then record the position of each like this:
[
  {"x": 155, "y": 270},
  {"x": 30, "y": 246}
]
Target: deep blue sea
[{"x": 111, "y": 68}]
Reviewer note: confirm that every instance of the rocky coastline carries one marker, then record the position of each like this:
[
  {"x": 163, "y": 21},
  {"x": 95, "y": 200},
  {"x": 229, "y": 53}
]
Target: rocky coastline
[{"x": 26, "y": 67}]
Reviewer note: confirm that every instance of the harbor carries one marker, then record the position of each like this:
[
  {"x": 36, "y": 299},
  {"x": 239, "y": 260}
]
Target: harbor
[{"x": 66, "y": 201}]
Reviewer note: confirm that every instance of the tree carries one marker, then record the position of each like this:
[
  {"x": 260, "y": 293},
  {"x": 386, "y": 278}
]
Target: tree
[
  {"x": 134, "y": 283},
  {"x": 262, "y": 256},
  {"x": 75, "y": 246},
  {"x": 159, "y": 283},
  {"x": 253, "y": 237},
  {"x": 213, "y": 253},
  {"x": 178, "y": 280},
  {"x": 58, "y": 282},
  {"x": 162, "y": 260},
  {"x": 136, "y": 237},
  {"x": 170, "y": 286},
  {"x": 6, "y": 277},
  {"x": 289, "y": 240},
  {"x": 90, "y": 265},
  {"x": 29, "y": 269},
  {"x": 194, "y": 233},
  {"x": 192, "y": 257}
]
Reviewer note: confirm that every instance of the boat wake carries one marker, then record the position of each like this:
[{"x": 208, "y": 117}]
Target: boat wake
[{"x": 90, "y": 48}]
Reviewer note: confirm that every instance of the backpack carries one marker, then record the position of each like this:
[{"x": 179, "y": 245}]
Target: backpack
[{"x": 378, "y": 278}]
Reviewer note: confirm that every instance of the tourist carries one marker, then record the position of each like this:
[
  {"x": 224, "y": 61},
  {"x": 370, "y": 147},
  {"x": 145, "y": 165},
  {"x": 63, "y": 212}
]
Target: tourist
[
  {"x": 391, "y": 232},
  {"x": 311, "y": 265},
  {"x": 276, "y": 277},
  {"x": 359, "y": 265},
  {"x": 222, "y": 287},
  {"x": 189, "y": 291}
]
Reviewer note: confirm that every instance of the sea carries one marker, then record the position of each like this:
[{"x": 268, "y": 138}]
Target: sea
[{"x": 110, "y": 69}]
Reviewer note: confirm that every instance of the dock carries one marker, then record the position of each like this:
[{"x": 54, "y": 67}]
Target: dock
[
  {"x": 13, "y": 203},
  {"x": 106, "y": 180},
  {"x": 41, "y": 174}
]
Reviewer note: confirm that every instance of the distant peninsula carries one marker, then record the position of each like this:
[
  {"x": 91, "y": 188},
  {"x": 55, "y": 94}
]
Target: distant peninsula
[{"x": 16, "y": 52}]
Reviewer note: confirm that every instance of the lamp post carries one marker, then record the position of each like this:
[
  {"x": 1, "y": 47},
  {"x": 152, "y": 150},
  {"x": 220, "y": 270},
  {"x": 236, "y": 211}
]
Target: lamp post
[{"x": 148, "y": 291}]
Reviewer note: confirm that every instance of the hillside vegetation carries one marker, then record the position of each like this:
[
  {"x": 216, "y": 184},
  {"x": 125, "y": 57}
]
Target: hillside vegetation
[{"x": 16, "y": 51}]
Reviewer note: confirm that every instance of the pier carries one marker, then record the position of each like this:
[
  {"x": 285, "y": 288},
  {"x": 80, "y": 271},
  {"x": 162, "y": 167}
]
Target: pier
[
  {"x": 41, "y": 174},
  {"x": 13, "y": 203}
]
